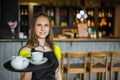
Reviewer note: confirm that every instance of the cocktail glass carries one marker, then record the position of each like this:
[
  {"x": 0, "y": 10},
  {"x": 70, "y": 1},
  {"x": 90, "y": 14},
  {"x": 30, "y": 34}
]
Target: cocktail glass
[{"x": 12, "y": 25}]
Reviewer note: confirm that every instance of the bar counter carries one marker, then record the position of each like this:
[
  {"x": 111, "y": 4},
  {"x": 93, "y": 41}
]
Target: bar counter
[
  {"x": 88, "y": 39},
  {"x": 89, "y": 44},
  {"x": 10, "y": 47},
  {"x": 68, "y": 39}
]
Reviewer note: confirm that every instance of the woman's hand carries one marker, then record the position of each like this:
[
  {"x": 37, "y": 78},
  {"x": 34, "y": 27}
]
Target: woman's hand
[
  {"x": 26, "y": 75},
  {"x": 58, "y": 75}
]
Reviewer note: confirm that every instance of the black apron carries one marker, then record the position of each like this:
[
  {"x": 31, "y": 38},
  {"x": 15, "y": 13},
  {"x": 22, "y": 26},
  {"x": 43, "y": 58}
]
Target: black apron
[{"x": 48, "y": 73}]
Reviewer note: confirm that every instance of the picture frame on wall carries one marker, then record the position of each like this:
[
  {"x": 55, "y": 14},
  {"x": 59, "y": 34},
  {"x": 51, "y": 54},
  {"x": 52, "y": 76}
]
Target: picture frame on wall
[{"x": 82, "y": 30}]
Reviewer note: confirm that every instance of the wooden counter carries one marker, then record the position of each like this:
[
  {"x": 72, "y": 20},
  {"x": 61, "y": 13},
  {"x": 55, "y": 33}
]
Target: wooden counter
[
  {"x": 89, "y": 44},
  {"x": 68, "y": 39},
  {"x": 87, "y": 39}
]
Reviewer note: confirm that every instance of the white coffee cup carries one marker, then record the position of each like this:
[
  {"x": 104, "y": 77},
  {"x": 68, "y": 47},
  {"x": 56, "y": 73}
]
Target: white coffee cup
[
  {"x": 37, "y": 56},
  {"x": 21, "y": 35}
]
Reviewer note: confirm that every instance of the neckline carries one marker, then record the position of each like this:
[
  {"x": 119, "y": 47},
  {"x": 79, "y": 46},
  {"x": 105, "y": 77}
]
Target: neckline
[
  {"x": 42, "y": 51},
  {"x": 43, "y": 47},
  {"x": 34, "y": 50}
]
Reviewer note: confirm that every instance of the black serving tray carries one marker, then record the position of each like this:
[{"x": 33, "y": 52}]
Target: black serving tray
[{"x": 30, "y": 68}]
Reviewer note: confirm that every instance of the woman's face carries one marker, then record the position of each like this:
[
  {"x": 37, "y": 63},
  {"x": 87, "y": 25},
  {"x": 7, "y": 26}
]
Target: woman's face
[{"x": 42, "y": 27}]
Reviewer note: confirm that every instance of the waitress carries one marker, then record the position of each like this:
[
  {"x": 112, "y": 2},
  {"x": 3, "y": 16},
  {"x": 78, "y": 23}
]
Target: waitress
[{"x": 41, "y": 39}]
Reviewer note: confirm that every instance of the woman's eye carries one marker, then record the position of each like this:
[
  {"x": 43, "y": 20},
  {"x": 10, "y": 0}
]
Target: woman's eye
[
  {"x": 38, "y": 24},
  {"x": 46, "y": 25}
]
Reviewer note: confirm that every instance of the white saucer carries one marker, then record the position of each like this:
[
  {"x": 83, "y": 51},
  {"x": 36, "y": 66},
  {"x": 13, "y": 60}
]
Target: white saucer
[{"x": 39, "y": 62}]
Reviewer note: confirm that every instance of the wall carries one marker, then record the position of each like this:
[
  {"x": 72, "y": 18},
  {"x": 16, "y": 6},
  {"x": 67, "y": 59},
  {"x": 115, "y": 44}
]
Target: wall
[{"x": 0, "y": 13}]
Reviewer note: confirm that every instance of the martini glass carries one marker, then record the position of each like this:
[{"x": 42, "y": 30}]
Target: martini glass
[{"x": 12, "y": 25}]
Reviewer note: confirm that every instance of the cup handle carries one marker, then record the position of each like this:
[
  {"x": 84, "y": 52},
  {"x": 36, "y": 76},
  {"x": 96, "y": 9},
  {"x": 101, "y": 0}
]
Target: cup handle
[{"x": 13, "y": 57}]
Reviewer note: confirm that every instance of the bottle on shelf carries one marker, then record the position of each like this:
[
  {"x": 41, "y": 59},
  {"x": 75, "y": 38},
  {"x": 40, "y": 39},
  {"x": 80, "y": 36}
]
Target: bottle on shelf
[
  {"x": 92, "y": 13},
  {"x": 100, "y": 14},
  {"x": 26, "y": 12},
  {"x": 109, "y": 13},
  {"x": 48, "y": 12},
  {"x": 74, "y": 13},
  {"x": 88, "y": 13},
  {"x": 22, "y": 12},
  {"x": 52, "y": 23},
  {"x": 52, "y": 13},
  {"x": 103, "y": 13},
  {"x": 88, "y": 22},
  {"x": 92, "y": 23},
  {"x": 109, "y": 24}
]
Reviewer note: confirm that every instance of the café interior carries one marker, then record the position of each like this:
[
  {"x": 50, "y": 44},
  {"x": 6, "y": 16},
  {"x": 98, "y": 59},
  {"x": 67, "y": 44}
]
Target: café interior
[{"x": 87, "y": 52}]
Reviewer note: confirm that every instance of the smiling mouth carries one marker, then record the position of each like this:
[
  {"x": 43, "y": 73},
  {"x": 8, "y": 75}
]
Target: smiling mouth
[{"x": 42, "y": 33}]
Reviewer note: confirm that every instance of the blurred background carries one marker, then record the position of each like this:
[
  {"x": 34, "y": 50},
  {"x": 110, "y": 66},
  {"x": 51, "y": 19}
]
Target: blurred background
[{"x": 62, "y": 12}]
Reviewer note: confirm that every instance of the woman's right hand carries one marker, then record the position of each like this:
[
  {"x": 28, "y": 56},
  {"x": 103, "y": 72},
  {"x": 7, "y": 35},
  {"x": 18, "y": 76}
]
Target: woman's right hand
[{"x": 26, "y": 75}]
